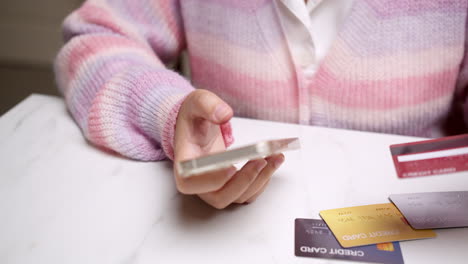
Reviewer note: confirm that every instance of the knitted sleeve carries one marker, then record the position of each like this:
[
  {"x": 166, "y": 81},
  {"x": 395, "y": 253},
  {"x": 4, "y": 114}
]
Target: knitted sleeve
[{"x": 112, "y": 74}]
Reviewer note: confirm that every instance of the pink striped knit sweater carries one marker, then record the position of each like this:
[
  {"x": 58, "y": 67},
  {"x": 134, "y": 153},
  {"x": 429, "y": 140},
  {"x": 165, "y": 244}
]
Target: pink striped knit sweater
[{"x": 397, "y": 66}]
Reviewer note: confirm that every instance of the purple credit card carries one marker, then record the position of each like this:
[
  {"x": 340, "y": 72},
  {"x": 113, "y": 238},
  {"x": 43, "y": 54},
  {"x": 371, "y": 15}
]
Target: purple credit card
[
  {"x": 314, "y": 239},
  {"x": 433, "y": 209}
]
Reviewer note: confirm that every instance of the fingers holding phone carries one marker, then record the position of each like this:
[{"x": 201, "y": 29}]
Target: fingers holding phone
[
  {"x": 203, "y": 166},
  {"x": 236, "y": 186},
  {"x": 216, "y": 181},
  {"x": 257, "y": 186},
  {"x": 226, "y": 186}
]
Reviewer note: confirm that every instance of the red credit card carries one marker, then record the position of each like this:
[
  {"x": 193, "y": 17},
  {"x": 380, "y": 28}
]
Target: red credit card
[{"x": 431, "y": 157}]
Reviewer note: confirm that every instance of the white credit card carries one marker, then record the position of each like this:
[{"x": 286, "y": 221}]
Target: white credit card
[{"x": 433, "y": 209}]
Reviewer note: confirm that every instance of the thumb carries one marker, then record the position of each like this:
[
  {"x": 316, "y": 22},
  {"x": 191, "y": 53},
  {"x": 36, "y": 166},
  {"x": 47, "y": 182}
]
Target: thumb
[{"x": 209, "y": 106}]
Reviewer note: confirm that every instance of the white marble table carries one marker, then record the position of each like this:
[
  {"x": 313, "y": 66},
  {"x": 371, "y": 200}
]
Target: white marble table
[{"x": 64, "y": 201}]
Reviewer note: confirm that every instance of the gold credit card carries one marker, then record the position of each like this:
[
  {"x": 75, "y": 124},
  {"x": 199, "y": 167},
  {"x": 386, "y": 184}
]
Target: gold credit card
[{"x": 370, "y": 224}]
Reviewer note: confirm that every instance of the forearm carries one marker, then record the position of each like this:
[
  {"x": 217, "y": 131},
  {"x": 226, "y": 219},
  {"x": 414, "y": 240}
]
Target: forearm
[{"x": 116, "y": 85}]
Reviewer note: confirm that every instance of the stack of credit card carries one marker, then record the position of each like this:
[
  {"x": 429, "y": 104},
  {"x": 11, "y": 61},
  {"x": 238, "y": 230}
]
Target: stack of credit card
[
  {"x": 367, "y": 233},
  {"x": 371, "y": 233}
]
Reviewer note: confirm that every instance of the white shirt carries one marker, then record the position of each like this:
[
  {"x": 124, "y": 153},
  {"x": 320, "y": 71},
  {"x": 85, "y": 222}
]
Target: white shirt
[{"x": 311, "y": 28}]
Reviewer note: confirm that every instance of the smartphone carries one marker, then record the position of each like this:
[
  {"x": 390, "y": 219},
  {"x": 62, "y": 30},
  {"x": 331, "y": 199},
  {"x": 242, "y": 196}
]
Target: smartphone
[{"x": 228, "y": 158}]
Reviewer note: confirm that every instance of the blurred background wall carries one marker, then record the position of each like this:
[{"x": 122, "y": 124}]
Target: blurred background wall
[{"x": 29, "y": 40}]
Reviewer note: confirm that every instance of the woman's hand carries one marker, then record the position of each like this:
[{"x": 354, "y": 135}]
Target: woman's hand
[{"x": 197, "y": 134}]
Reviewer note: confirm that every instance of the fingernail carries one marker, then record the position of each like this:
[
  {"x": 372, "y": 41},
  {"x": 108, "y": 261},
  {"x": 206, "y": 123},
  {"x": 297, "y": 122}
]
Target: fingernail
[
  {"x": 221, "y": 112},
  {"x": 278, "y": 161},
  {"x": 260, "y": 164}
]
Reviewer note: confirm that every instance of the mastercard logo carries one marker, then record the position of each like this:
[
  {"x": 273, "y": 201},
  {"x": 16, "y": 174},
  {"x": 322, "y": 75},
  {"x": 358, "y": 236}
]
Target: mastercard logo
[{"x": 385, "y": 246}]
